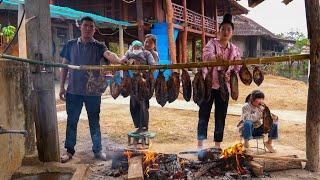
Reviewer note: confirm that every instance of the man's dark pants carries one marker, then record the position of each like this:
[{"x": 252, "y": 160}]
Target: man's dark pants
[
  {"x": 74, "y": 104},
  {"x": 139, "y": 110}
]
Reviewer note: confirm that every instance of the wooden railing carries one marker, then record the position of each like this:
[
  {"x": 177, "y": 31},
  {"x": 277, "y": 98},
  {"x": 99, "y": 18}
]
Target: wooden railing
[
  {"x": 193, "y": 19},
  {"x": 2, "y": 40}
]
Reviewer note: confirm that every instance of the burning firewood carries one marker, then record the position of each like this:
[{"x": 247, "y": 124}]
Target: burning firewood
[{"x": 186, "y": 84}]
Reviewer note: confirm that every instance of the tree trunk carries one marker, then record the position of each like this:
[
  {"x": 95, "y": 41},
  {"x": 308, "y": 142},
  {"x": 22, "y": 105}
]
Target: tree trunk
[
  {"x": 172, "y": 46},
  {"x": 313, "y": 105},
  {"x": 140, "y": 21}
]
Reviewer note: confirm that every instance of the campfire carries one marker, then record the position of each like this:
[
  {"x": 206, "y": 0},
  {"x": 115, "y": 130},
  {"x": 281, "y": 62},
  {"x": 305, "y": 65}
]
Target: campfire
[{"x": 231, "y": 163}]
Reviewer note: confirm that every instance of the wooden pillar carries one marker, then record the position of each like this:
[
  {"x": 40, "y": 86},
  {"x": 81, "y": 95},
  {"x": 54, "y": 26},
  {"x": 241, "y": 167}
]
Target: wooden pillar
[
  {"x": 313, "y": 105},
  {"x": 194, "y": 49},
  {"x": 121, "y": 42},
  {"x": 70, "y": 31},
  {"x": 185, "y": 33},
  {"x": 30, "y": 143},
  {"x": 203, "y": 35},
  {"x": 172, "y": 46},
  {"x": 39, "y": 48},
  {"x": 113, "y": 14},
  {"x": 125, "y": 11},
  {"x": 215, "y": 15},
  {"x": 179, "y": 48},
  {"x": 140, "y": 21}
]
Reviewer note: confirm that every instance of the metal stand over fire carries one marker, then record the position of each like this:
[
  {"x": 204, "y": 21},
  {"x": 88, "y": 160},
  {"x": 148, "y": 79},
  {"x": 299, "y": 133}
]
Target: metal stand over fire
[{"x": 140, "y": 140}]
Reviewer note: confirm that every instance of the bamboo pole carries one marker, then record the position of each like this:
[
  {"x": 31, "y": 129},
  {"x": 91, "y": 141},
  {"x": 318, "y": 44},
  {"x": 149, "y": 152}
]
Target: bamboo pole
[{"x": 246, "y": 61}]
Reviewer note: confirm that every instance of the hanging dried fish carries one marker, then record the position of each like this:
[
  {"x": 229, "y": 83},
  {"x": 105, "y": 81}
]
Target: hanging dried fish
[
  {"x": 186, "y": 85},
  {"x": 135, "y": 85},
  {"x": 126, "y": 85},
  {"x": 150, "y": 82},
  {"x": 143, "y": 89},
  {"x": 115, "y": 88},
  {"x": 223, "y": 86},
  {"x": 267, "y": 119},
  {"x": 245, "y": 75},
  {"x": 161, "y": 89},
  {"x": 208, "y": 84},
  {"x": 199, "y": 88},
  {"x": 173, "y": 86},
  {"x": 258, "y": 76},
  {"x": 234, "y": 85},
  {"x": 96, "y": 84}
]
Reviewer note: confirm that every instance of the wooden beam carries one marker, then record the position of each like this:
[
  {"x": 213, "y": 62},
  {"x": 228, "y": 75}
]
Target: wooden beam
[
  {"x": 313, "y": 105},
  {"x": 203, "y": 35},
  {"x": 121, "y": 42},
  {"x": 184, "y": 35},
  {"x": 140, "y": 21},
  {"x": 39, "y": 48},
  {"x": 215, "y": 15},
  {"x": 30, "y": 143},
  {"x": 135, "y": 171},
  {"x": 172, "y": 46}
]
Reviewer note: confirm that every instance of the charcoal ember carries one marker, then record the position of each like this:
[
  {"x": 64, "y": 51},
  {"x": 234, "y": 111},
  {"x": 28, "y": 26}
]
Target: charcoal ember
[
  {"x": 267, "y": 119},
  {"x": 150, "y": 82},
  {"x": 245, "y": 75},
  {"x": 126, "y": 85},
  {"x": 198, "y": 88},
  {"x": 114, "y": 88},
  {"x": 186, "y": 85},
  {"x": 258, "y": 76},
  {"x": 161, "y": 89},
  {"x": 169, "y": 166},
  {"x": 234, "y": 87},
  {"x": 208, "y": 85},
  {"x": 223, "y": 86},
  {"x": 173, "y": 86}
]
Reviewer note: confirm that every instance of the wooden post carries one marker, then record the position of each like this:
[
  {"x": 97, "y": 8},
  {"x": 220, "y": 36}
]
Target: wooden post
[
  {"x": 313, "y": 105},
  {"x": 215, "y": 16},
  {"x": 135, "y": 171},
  {"x": 194, "y": 50},
  {"x": 70, "y": 31},
  {"x": 121, "y": 42},
  {"x": 140, "y": 21},
  {"x": 30, "y": 143},
  {"x": 203, "y": 36},
  {"x": 38, "y": 46},
  {"x": 172, "y": 46},
  {"x": 185, "y": 32}
]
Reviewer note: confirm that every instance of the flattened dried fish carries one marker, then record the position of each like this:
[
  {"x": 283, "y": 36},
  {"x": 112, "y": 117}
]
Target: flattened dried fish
[
  {"x": 150, "y": 82},
  {"x": 234, "y": 85},
  {"x": 115, "y": 88},
  {"x": 186, "y": 85},
  {"x": 267, "y": 119},
  {"x": 245, "y": 75},
  {"x": 223, "y": 86},
  {"x": 258, "y": 76},
  {"x": 208, "y": 84},
  {"x": 173, "y": 86},
  {"x": 161, "y": 89},
  {"x": 126, "y": 85},
  {"x": 199, "y": 88}
]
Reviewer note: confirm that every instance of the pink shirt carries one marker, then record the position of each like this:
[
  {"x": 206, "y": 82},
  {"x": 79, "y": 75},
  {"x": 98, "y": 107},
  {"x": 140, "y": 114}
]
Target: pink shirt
[{"x": 214, "y": 49}]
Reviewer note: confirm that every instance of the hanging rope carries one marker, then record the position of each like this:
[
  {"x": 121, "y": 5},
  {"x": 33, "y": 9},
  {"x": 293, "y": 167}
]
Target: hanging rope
[
  {"x": 103, "y": 34},
  {"x": 129, "y": 2}
]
